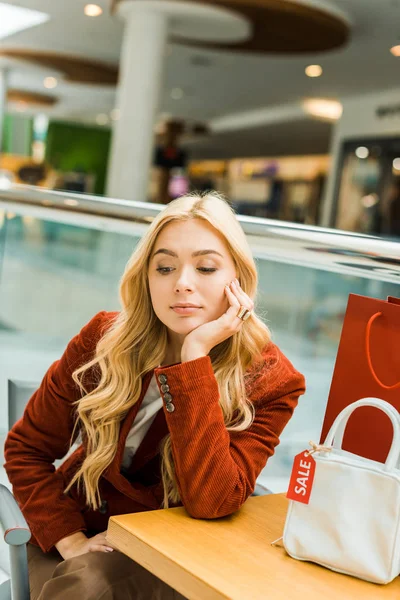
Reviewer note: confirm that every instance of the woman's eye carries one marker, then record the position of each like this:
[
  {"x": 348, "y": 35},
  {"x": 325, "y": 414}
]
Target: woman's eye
[
  {"x": 207, "y": 269},
  {"x": 165, "y": 270}
]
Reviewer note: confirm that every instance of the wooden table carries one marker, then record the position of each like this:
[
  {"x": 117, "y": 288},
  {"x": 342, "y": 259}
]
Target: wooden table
[{"x": 232, "y": 557}]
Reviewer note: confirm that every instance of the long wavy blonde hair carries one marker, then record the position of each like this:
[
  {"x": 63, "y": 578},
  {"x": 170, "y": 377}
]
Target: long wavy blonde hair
[{"x": 136, "y": 343}]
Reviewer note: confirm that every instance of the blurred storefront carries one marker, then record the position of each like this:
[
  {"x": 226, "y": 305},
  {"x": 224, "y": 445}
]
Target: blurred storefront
[
  {"x": 284, "y": 188},
  {"x": 355, "y": 188},
  {"x": 368, "y": 195},
  {"x": 74, "y": 156},
  {"x": 363, "y": 189},
  {"x": 59, "y": 155}
]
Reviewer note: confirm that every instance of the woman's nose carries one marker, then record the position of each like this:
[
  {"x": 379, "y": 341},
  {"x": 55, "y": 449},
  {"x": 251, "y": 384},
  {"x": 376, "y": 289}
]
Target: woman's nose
[
  {"x": 183, "y": 287},
  {"x": 183, "y": 283}
]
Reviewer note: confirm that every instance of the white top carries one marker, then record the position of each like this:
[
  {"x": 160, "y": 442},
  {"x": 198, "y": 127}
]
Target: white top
[{"x": 152, "y": 403}]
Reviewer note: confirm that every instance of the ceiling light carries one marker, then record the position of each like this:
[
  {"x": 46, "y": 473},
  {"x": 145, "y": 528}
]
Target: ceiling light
[
  {"x": 395, "y": 50},
  {"x": 102, "y": 119},
  {"x": 362, "y": 152},
  {"x": 325, "y": 109},
  {"x": 93, "y": 10},
  {"x": 177, "y": 93},
  {"x": 313, "y": 71},
  {"x": 50, "y": 82},
  {"x": 16, "y": 18},
  {"x": 396, "y": 164},
  {"x": 115, "y": 114}
]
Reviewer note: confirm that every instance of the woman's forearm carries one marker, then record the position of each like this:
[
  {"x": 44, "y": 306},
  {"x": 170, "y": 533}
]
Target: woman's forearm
[{"x": 70, "y": 543}]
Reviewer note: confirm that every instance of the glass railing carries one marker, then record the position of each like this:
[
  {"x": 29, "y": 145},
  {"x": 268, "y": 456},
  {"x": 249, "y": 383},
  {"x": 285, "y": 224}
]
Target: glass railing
[{"x": 62, "y": 255}]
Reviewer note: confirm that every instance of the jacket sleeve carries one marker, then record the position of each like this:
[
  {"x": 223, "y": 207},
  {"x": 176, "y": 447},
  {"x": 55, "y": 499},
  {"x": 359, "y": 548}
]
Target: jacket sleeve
[
  {"x": 43, "y": 435},
  {"x": 216, "y": 469}
]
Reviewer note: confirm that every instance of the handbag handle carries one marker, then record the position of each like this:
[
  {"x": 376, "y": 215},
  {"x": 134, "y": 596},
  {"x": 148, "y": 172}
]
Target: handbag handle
[
  {"x": 336, "y": 432},
  {"x": 368, "y": 353}
]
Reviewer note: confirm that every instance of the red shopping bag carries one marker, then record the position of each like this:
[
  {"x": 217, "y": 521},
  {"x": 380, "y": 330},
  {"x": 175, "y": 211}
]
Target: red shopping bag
[{"x": 367, "y": 365}]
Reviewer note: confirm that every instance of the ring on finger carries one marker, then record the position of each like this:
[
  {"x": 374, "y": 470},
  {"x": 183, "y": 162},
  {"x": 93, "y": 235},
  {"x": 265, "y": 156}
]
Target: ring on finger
[{"x": 244, "y": 313}]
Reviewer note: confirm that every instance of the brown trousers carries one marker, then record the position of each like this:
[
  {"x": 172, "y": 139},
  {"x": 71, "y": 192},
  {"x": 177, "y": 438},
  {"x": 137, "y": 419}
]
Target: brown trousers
[{"x": 93, "y": 576}]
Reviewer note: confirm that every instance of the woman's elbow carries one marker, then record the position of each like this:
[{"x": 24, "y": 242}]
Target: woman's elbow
[
  {"x": 205, "y": 512},
  {"x": 210, "y": 510}
]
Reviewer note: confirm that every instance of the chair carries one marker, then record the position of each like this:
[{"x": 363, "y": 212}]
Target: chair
[
  {"x": 15, "y": 585},
  {"x": 16, "y": 534},
  {"x": 14, "y": 578}
]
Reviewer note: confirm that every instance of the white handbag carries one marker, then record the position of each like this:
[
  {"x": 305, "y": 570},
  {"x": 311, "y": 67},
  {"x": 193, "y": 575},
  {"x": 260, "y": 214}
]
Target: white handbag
[{"x": 351, "y": 523}]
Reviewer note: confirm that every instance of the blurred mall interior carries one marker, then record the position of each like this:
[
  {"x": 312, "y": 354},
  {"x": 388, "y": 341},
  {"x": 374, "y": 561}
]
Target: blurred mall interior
[
  {"x": 294, "y": 116},
  {"x": 289, "y": 108}
]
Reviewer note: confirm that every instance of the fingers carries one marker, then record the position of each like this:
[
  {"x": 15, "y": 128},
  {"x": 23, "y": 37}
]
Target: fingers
[
  {"x": 231, "y": 315},
  {"x": 109, "y": 548},
  {"x": 99, "y": 543},
  {"x": 231, "y": 295},
  {"x": 243, "y": 298},
  {"x": 100, "y": 548},
  {"x": 237, "y": 298}
]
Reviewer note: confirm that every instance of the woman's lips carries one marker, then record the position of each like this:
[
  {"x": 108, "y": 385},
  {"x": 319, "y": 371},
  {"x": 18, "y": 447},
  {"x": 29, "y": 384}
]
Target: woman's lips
[{"x": 185, "y": 310}]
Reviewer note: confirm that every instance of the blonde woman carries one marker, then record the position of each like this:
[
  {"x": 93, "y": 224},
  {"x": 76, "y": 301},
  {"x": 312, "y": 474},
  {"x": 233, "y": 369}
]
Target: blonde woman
[{"x": 178, "y": 399}]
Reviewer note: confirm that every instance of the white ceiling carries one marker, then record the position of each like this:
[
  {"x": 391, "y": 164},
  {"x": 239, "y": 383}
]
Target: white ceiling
[{"x": 227, "y": 83}]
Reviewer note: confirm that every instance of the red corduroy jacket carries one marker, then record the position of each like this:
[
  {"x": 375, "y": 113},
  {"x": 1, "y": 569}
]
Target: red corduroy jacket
[{"x": 216, "y": 470}]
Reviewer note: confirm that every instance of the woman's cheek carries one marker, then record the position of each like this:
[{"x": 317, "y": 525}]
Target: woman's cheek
[{"x": 220, "y": 306}]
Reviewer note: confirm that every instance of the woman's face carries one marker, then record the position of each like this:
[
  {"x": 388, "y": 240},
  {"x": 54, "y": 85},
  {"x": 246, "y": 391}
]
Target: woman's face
[{"x": 190, "y": 265}]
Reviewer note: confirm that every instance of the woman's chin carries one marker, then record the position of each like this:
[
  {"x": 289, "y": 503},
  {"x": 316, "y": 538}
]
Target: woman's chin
[{"x": 185, "y": 325}]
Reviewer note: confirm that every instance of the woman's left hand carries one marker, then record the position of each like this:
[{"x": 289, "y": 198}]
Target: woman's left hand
[{"x": 201, "y": 340}]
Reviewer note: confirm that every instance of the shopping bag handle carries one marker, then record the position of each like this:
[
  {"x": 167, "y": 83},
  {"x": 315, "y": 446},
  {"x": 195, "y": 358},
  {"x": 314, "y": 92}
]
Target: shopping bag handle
[
  {"x": 368, "y": 353},
  {"x": 336, "y": 432}
]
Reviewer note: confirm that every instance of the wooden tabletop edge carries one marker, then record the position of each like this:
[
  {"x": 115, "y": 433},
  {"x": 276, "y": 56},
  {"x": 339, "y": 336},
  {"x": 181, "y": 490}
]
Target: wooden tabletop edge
[{"x": 175, "y": 563}]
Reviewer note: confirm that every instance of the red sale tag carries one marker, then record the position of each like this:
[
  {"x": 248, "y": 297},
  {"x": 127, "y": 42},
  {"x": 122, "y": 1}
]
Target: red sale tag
[{"x": 302, "y": 478}]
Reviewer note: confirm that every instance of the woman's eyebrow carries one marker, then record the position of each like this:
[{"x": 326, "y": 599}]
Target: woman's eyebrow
[{"x": 197, "y": 253}]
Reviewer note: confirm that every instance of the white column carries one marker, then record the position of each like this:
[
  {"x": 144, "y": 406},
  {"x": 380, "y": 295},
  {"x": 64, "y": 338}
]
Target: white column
[
  {"x": 3, "y": 102},
  {"x": 140, "y": 84}
]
